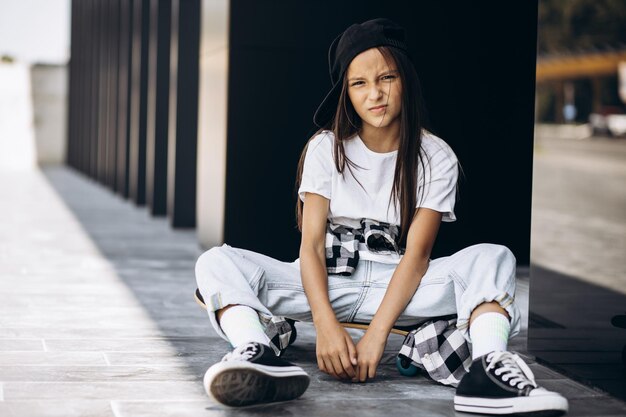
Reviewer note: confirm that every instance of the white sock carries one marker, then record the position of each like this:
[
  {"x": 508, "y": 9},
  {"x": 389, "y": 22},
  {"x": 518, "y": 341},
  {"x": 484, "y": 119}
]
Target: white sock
[
  {"x": 241, "y": 325},
  {"x": 489, "y": 332}
]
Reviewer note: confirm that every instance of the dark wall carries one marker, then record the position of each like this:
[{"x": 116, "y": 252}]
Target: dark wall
[
  {"x": 158, "y": 105},
  {"x": 138, "y": 102},
  {"x": 183, "y": 113},
  {"x": 119, "y": 100},
  {"x": 477, "y": 66}
]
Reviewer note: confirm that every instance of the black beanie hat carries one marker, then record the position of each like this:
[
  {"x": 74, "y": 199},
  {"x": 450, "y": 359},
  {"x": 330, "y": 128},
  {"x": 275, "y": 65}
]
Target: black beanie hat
[{"x": 354, "y": 40}]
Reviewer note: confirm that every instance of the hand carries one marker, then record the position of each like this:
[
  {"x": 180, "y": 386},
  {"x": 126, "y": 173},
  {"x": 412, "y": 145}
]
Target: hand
[
  {"x": 335, "y": 350},
  {"x": 369, "y": 351}
]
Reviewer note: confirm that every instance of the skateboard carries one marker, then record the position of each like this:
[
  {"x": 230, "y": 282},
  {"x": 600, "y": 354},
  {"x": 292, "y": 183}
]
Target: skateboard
[
  {"x": 620, "y": 322},
  {"x": 403, "y": 363}
]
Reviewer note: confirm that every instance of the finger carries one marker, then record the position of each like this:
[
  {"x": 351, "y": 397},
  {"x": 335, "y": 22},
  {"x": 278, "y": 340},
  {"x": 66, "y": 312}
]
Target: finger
[
  {"x": 362, "y": 372},
  {"x": 371, "y": 371},
  {"x": 338, "y": 367},
  {"x": 347, "y": 366},
  {"x": 321, "y": 365},
  {"x": 330, "y": 369},
  {"x": 328, "y": 366},
  {"x": 352, "y": 352}
]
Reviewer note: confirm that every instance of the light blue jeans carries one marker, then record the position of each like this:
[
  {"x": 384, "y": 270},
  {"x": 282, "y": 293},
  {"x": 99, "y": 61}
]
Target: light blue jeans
[{"x": 454, "y": 284}]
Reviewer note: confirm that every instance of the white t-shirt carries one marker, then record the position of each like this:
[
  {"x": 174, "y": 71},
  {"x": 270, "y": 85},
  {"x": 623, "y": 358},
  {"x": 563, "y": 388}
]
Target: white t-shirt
[{"x": 349, "y": 202}]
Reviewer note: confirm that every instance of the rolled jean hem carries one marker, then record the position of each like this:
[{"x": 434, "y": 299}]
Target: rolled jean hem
[
  {"x": 505, "y": 301},
  {"x": 218, "y": 301}
]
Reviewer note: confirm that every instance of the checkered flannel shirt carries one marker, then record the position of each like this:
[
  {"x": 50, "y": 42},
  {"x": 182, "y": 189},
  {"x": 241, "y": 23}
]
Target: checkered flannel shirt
[
  {"x": 440, "y": 349},
  {"x": 436, "y": 347},
  {"x": 342, "y": 243}
]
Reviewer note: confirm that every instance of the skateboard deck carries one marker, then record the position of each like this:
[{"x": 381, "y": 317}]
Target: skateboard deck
[
  {"x": 402, "y": 331},
  {"x": 619, "y": 321}
]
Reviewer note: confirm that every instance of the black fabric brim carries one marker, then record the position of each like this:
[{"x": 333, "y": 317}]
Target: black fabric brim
[{"x": 326, "y": 111}]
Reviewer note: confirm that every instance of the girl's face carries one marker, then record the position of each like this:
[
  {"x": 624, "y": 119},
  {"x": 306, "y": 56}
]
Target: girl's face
[{"x": 374, "y": 89}]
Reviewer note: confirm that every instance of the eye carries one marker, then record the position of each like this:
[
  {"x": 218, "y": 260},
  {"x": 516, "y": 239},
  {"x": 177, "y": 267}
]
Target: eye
[
  {"x": 388, "y": 77},
  {"x": 356, "y": 83}
]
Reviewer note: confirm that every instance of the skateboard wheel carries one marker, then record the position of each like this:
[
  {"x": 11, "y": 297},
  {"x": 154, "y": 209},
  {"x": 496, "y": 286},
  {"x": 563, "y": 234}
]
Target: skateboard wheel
[{"x": 405, "y": 366}]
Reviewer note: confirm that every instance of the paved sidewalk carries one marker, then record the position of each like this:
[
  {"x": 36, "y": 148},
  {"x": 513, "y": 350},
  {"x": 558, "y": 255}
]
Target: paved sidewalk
[{"x": 97, "y": 319}]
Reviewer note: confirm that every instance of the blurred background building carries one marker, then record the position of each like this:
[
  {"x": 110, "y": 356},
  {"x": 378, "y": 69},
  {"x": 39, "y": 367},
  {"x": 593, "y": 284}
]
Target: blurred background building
[
  {"x": 198, "y": 110},
  {"x": 578, "y": 247},
  {"x": 34, "y": 52}
]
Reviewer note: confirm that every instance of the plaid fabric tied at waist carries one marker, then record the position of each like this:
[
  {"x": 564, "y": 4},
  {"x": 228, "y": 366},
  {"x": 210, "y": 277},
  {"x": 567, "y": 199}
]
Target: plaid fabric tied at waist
[
  {"x": 342, "y": 243},
  {"x": 440, "y": 349}
]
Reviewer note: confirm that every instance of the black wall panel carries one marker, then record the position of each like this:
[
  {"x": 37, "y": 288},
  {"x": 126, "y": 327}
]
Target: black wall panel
[
  {"x": 123, "y": 96},
  {"x": 119, "y": 100},
  {"x": 183, "y": 113},
  {"x": 158, "y": 102},
  {"x": 476, "y": 62},
  {"x": 138, "y": 102}
]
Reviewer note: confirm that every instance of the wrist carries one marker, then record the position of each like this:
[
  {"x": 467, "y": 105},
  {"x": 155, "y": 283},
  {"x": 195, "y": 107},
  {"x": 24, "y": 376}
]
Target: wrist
[
  {"x": 324, "y": 317},
  {"x": 379, "y": 330}
]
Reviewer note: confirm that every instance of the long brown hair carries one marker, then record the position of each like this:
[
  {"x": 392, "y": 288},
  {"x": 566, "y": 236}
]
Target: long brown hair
[{"x": 346, "y": 124}]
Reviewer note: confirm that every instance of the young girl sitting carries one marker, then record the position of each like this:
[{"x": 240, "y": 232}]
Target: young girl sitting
[{"x": 373, "y": 186}]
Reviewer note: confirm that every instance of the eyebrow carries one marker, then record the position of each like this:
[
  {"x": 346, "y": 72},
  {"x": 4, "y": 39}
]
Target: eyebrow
[{"x": 382, "y": 73}]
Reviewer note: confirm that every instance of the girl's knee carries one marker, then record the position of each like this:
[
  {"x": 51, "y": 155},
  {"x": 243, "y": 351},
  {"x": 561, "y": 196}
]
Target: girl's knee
[
  {"x": 494, "y": 250},
  {"x": 208, "y": 258}
]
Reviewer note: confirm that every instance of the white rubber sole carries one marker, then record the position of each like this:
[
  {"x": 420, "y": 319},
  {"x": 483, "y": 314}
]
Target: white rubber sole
[
  {"x": 238, "y": 384},
  {"x": 548, "y": 404}
]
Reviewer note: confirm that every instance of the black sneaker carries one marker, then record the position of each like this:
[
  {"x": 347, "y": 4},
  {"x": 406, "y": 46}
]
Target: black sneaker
[
  {"x": 501, "y": 383},
  {"x": 253, "y": 374}
]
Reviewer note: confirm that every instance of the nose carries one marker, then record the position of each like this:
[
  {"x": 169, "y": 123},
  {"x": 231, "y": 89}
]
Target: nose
[{"x": 375, "y": 92}]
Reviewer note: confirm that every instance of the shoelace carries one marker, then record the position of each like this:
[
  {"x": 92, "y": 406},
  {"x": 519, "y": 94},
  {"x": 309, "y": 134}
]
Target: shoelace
[
  {"x": 513, "y": 369},
  {"x": 242, "y": 353}
]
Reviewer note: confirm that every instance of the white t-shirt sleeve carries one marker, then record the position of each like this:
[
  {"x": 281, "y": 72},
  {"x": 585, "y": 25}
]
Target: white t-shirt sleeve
[
  {"x": 440, "y": 184},
  {"x": 318, "y": 166}
]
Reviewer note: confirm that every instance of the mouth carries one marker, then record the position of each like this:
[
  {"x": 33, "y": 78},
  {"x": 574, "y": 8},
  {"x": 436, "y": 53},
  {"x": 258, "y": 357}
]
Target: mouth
[{"x": 378, "y": 109}]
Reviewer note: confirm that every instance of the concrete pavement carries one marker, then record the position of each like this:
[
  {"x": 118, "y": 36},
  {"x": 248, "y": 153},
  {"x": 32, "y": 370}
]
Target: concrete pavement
[{"x": 97, "y": 319}]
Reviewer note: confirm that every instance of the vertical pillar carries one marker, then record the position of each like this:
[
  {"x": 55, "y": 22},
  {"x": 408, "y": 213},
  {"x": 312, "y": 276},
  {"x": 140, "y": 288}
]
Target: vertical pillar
[
  {"x": 183, "y": 113},
  {"x": 101, "y": 92},
  {"x": 157, "y": 107},
  {"x": 212, "y": 138},
  {"x": 94, "y": 81},
  {"x": 139, "y": 85},
  {"x": 123, "y": 95},
  {"x": 70, "y": 151},
  {"x": 112, "y": 90}
]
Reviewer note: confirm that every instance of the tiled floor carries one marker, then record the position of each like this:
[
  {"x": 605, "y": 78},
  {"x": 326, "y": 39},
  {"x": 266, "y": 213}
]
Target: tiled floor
[{"x": 97, "y": 319}]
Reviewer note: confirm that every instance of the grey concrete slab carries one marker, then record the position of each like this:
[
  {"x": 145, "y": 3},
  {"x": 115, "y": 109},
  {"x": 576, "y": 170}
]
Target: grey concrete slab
[
  {"x": 105, "y": 389},
  {"x": 21, "y": 344},
  {"x": 597, "y": 407},
  {"x": 572, "y": 389},
  {"x": 110, "y": 303},
  {"x": 83, "y": 373},
  {"x": 302, "y": 406},
  {"x": 194, "y": 360},
  {"x": 168, "y": 408},
  {"x": 148, "y": 345},
  {"x": 56, "y": 408},
  {"x": 71, "y": 330},
  {"x": 541, "y": 372},
  {"x": 51, "y": 358}
]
